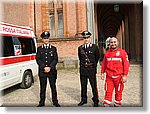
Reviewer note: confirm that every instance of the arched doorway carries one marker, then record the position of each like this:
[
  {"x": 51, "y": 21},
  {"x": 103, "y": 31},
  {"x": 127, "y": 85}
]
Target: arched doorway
[{"x": 125, "y": 21}]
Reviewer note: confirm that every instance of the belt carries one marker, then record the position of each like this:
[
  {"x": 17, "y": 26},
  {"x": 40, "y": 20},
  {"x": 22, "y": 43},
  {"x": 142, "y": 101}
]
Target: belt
[
  {"x": 89, "y": 65},
  {"x": 114, "y": 76}
]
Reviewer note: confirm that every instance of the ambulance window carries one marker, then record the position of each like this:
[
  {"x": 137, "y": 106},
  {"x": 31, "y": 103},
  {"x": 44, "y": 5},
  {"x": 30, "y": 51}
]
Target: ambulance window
[
  {"x": 28, "y": 46},
  {"x": 33, "y": 46},
  {"x": 17, "y": 46},
  {"x": 7, "y": 45},
  {"x": 16, "y": 41}
]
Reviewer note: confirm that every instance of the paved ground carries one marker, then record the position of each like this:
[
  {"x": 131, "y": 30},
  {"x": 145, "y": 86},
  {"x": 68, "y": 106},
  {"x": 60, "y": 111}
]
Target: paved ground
[{"x": 68, "y": 87}]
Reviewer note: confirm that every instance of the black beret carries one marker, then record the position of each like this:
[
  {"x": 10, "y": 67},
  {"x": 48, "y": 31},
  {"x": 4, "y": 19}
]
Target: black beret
[
  {"x": 86, "y": 34},
  {"x": 45, "y": 34}
]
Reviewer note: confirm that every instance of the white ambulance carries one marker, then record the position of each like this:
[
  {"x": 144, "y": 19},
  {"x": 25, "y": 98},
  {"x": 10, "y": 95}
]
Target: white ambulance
[{"x": 17, "y": 56}]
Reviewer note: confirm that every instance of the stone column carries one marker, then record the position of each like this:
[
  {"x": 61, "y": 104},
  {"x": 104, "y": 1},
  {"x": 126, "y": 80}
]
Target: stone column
[
  {"x": 138, "y": 31},
  {"x": 126, "y": 32},
  {"x": 132, "y": 32}
]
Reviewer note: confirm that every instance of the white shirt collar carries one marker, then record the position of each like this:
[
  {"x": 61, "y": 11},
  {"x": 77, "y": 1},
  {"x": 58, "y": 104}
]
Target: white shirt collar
[
  {"x": 88, "y": 45},
  {"x": 44, "y": 45}
]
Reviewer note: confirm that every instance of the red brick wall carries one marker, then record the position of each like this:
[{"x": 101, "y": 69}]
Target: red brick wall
[
  {"x": 18, "y": 13},
  {"x": 67, "y": 48},
  {"x": 74, "y": 19},
  {"x": 70, "y": 21}
]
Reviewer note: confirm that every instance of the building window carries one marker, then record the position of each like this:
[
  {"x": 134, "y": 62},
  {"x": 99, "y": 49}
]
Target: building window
[
  {"x": 60, "y": 24},
  {"x": 56, "y": 18},
  {"x": 52, "y": 29},
  {"x": 13, "y": 46}
]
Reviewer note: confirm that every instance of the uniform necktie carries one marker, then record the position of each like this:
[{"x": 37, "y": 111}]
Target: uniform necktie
[{"x": 85, "y": 45}]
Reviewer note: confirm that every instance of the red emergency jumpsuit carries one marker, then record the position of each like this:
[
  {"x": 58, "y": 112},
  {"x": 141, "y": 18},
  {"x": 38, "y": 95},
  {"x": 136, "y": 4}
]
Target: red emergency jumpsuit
[{"x": 115, "y": 64}]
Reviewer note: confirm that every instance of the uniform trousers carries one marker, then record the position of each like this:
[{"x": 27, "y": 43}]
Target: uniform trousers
[
  {"x": 93, "y": 83},
  {"x": 112, "y": 83},
  {"x": 43, "y": 85}
]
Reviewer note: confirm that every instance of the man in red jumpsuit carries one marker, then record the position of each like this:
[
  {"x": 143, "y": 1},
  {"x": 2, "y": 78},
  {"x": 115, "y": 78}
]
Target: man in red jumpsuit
[{"x": 116, "y": 66}]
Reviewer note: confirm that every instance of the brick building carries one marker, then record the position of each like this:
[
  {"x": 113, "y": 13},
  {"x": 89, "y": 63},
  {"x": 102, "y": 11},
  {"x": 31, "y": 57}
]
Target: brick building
[{"x": 66, "y": 19}]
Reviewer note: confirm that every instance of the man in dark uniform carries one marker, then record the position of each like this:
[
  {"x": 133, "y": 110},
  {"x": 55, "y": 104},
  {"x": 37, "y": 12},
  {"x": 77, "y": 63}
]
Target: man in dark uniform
[
  {"x": 88, "y": 54},
  {"x": 47, "y": 59}
]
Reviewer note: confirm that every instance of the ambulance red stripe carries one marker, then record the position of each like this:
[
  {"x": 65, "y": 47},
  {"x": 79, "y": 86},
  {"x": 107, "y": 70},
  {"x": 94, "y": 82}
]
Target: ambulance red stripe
[{"x": 16, "y": 59}]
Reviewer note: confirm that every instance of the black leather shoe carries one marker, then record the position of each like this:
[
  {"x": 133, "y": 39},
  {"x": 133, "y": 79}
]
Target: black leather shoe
[
  {"x": 40, "y": 105},
  {"x": 56, "y": 104},
  {"x": 95, "y": 105},
  {"x": 82, "y": 103}
]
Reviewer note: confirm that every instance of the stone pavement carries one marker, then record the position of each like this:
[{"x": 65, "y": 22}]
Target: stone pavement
[{"x": 68, "y": 87}]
